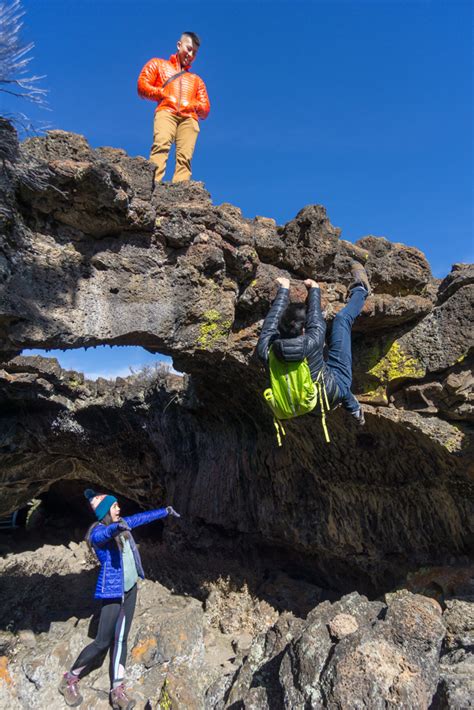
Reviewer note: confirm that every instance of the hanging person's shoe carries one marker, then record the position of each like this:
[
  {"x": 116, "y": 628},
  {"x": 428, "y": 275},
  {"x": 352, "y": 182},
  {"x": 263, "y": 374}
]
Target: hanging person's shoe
[{"x": 359, "y": 277}]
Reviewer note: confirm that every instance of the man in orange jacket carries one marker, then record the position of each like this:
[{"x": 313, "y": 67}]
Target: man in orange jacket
[{"x": 182, "y": 100}]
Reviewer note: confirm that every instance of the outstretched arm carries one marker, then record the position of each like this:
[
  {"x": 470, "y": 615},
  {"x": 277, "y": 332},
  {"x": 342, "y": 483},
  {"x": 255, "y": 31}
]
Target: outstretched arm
[
  {"x": 315, "y": 327},
  {"x": 134, "y": 521},
  {"x": 315, "y": 323},
  {"x": 270, "y": 324},
  {"x": 103, "y": 533}
]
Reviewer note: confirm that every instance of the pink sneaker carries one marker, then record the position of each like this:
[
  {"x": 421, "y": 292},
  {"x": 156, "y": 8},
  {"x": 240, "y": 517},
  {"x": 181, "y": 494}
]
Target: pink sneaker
[
  {"x": 120, "y": 699},
  {"x": 68, "y": 688}
]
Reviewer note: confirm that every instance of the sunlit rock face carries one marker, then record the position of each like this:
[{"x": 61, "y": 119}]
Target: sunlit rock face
[{"x": 92, "y": 253}]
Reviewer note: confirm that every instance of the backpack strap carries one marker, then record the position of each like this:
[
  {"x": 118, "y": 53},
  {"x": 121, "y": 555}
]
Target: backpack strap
[
  {"x": 172, "y": 78},
  {"x": 279, "y": 430},
  {"x": 324, "y": 403}
]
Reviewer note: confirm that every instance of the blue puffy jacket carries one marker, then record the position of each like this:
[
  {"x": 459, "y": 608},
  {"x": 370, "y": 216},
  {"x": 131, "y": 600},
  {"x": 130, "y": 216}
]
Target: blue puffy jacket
[{"x": 106, "y": 547}]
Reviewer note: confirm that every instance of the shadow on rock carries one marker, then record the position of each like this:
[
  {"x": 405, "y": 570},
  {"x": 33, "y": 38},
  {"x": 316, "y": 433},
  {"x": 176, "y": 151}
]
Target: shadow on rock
[{"x": 36, "y": 601}]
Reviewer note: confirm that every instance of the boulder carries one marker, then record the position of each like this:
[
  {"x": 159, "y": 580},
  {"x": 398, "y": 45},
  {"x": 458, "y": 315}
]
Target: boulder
[{"x": 389, "y": 656}]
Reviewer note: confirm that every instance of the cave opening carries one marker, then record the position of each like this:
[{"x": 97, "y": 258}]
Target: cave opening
[
  {"x": 62, "y": 514},
  {"x": 109, "y": 361},
  {"x": 76, "y": 427}
]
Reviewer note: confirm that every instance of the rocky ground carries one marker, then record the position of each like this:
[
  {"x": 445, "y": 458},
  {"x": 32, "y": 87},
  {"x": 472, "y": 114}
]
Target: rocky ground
[
  {"x": 208, "y": 633},
  {"x": 180, "y": 644}
]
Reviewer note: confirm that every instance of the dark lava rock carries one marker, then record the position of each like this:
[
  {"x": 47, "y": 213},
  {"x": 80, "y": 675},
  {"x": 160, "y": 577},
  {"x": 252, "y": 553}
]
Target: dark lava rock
[
  {"x": 90, "y": 254},
  {"x": 387, "y": 657}
]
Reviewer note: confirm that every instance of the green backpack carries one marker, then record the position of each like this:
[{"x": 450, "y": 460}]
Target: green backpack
[{"x": 292, "y": 392}]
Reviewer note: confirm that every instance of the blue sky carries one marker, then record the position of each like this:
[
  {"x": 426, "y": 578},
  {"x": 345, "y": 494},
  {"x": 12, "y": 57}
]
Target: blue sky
[
  {"x": 362, "y": 106},
  {"x": 103, "y": 361}
]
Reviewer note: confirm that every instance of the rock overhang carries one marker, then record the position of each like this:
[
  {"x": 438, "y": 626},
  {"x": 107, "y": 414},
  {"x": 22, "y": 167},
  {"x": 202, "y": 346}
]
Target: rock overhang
[{"x": 93, "y": 253}]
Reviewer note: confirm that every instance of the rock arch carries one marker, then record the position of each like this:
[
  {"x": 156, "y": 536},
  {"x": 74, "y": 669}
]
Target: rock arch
[{"x": 92, "y": 254}]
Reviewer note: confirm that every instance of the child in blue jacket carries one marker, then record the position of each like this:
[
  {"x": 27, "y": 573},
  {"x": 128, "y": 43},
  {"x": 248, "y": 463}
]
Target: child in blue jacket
[{"x": 120, "y": 567}]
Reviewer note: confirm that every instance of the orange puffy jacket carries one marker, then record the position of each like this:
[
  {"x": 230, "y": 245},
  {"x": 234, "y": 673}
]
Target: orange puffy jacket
[{"x": 185, "y": 96}]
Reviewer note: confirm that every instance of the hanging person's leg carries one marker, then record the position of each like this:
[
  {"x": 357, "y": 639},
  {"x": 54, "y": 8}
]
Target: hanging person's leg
[
  {"x": 186, "y": 137},
  {"x": 340, "y": 342},
  {"x": 105, "y": 634},
  {"x": 164, "y": 134},
  {"x": 118, "y": 656}
]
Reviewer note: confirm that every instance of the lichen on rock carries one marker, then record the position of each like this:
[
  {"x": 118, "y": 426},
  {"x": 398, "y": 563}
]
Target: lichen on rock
[{"x": 213, "y": 329}]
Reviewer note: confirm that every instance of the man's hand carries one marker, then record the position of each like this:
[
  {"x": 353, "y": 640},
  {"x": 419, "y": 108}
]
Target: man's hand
[
  {"x": 189, "y": 109},
  {"x": 309, "y": 283},
  {"x": 171, "y": 511},
  {"x": 282, "y": 281}
]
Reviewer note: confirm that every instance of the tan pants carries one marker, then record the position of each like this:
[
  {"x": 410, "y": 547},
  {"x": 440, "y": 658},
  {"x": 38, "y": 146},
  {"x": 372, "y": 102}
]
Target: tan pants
[{"x": 168, "y": 129}]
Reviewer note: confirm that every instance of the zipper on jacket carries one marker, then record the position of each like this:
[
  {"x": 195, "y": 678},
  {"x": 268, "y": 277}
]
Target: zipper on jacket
[
  {"x": 103, "y": 577},
  {"x": 121, "y": 564},
  {"x": 179, "y": 98}
]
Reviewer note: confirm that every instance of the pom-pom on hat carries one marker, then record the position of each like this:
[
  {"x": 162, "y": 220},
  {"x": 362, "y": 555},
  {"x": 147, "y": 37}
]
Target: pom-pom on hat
[{"x": 99, "y": 502}]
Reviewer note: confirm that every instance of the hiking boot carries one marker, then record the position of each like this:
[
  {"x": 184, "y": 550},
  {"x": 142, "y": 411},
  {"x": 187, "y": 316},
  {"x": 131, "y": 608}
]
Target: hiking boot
[
  {"x": 359, "y": 417},
  {"x": 69, "y": 690},
  {"x": 359, "y": 276},
  {"x": 120, "y": 699}
]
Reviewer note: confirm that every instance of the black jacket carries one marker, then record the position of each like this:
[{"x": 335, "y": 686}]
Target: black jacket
[{"x": 309, "y": 346}]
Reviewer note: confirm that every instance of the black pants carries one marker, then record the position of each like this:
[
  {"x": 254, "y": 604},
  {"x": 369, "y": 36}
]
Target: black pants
[{"x": 114, "y": 626}]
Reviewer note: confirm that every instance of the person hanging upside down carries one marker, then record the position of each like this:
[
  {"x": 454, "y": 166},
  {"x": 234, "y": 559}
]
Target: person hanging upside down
[
  {"x": 120, "y": 567},
  {"x": 297, "y": 331}
]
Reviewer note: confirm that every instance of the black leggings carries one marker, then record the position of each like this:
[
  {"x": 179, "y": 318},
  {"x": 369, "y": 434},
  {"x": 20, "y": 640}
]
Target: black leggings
[{"x": 114, "y": 626}]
